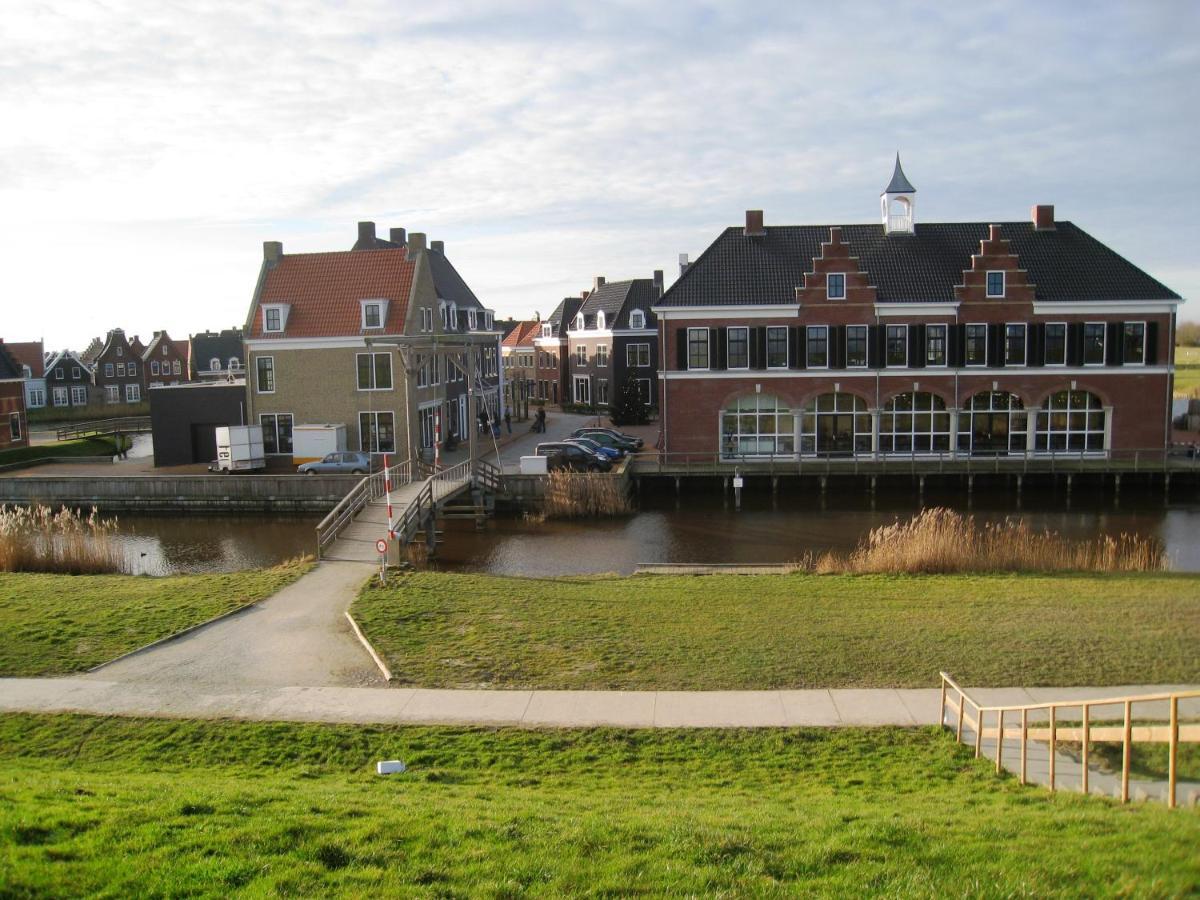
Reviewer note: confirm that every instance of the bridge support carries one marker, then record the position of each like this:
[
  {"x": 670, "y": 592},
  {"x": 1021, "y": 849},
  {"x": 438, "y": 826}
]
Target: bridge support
[
  {"x": 1167, "y": 486},
  {"x": 921, "y": 487}
]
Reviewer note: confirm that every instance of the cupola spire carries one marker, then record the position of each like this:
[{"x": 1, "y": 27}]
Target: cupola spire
[{"x": 898, "y": 202}]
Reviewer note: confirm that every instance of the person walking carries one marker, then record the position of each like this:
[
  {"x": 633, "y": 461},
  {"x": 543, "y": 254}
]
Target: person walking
[
  {"x": 541, "y": 420},
  {"x": 508, "y": 420}
]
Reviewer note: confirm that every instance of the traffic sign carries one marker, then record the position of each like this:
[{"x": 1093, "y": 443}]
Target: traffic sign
[{"x": 381, "y": 545}]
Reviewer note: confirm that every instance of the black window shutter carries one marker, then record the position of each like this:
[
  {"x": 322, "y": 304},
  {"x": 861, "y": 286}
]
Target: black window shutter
[
  {"x": 916, "y": 346},
  {"x": 681, "y": 349},
  {"x": 758, "y": 348},
  {"x": 1112, "y": 349},
  {"x": 795, "y": 349},
  {"x": 1151, "y": 343},
  {"x": 954, "y": 342},
  {"x": 1075, "y": 344},
  {"x": 874, "y": 346},
  {"x": 837, "y": 346},
  {"x": 721, "y": 350},
  {"x": 1035, "y": 350}
]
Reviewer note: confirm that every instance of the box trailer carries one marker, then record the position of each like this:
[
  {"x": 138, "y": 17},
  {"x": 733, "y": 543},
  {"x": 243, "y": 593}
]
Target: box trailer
[
  {"x": 239, "y": 449},
  {"x": 311, "y": 443}
]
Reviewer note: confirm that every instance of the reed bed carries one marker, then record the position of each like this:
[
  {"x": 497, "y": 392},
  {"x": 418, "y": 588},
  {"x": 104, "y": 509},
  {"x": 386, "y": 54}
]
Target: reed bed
[
  {"x": 941, "y": 540},
  {"x": 37, "y": 539},
  {"x": 577, "y": 495}
]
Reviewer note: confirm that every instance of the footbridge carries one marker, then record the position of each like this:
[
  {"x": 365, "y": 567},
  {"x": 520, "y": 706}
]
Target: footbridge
[
  {"x": 401, "y": 504},
  {"x": 100, "y": 427}
]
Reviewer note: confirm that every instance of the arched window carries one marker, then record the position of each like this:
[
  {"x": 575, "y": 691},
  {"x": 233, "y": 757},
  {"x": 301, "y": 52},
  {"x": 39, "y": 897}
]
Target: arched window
[
  {"x": 993, "y": 422},
  {"x": 835, "y": 425},
  {"x": 757, "y": 425},
  {"x": 600, "y": 320},
  {"x": 914, "y": 423},
  {"x": 214, "y": 365},
  {"x": 1071, "y": 420}
]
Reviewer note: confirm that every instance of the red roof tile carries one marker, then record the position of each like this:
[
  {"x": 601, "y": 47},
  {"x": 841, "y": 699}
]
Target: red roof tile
[
  {"x": 323, "y": 291},
  {"x": 29, "y": 353},
  {"x": 522, "y": 335}
]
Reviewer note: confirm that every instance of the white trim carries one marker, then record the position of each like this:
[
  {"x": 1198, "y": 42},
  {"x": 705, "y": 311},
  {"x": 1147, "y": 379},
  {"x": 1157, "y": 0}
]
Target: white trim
[
  {"x": 383, "y": 311},
  {"x": 1104, "y": 346},
  {"x": 274, "y": 380},
  {"x": 1025, "y": 339},
  {"x": 884, "y": 361},
  {"x": 1141, "y": 364},
  {"x": 642, "y": 314},
  {"x": 786, "y": 350},
  {"x": 916, "y": 309},
  {"x": 586, "y": 333},
  {"x": 1054, "y": 372},
  {"x": 746, "y": 367},
  {"x": 1103, "y": 307},
  {"x": 283, "y": 317},
  {"x": 945, "y": 363},
  {"x": 708, "y": 345},
  {"x": 828, "y": 275},
  {"x": 322, "y": 343},
  {"x": 391, "y": 372},
  {"x": 1066, "y": 334},
  {"x": 987, "y": 290},
  {"x": 634, "y": 332},
  {"x": 749, "y": 311},
  {"x": 824, "y": 328},
  {"x": 866, "y": 345},
  {"x": 967, "y": 367}
]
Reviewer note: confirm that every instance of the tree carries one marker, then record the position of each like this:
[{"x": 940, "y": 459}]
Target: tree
[{"x": 630, "y": 407}]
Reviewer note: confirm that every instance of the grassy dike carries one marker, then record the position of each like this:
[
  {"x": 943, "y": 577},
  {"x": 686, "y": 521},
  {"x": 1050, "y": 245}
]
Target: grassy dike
[
  {"x": 59, "y": 624},
  {"x": 126, "y": 807},
  {"x": 792, "y": 631},
  {"x": 89, "y": 446}
]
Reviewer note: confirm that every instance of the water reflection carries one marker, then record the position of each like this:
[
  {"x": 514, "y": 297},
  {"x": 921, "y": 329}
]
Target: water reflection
[{"x": 166, "y": 545}]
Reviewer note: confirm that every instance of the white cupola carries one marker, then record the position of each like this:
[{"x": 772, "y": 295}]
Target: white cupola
[{"x": 897, "y": 203}]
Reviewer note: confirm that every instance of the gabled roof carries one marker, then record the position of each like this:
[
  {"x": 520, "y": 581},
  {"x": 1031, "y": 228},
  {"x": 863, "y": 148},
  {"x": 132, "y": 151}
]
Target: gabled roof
[
  {"x": 323, "y": 291},
  {"x": 155, "y": 342},
  {"x": 616, "y": 299},
  {"x": 69, "y": 356},
  {"x": 564, "y": 313},
  {"x": 91, "y": 351},
  {"x": 1065, "y": 263},
  {"x": 9, "y": 367},
  {"x": 113, "y": 338},
  {"x": 207, "y": 345},
  {"x": 29, "y": 353},
  {"x": 450, "y": 285},
  {"x": 899, "y": 183},
  {"x": 523, "y": 334}
]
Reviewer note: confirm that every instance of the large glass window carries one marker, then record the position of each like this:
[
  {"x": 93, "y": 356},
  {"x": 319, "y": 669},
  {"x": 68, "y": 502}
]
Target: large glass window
[
  {"x": 602, "y": 354},
  {"x": 897, "y": 346},
  {"x": 377, "y": 432},
  {"x": 995, "y": 284},
  {"x": 1014, "y": 345},
  {"x": 272, "y": 319},
  {"x": 375, "y": 371},
  {"x": 856, "y": 346},
  {"x": 1133, "y": 343},
  {"x": 637, "y": 355},
  {"x": 777, "y": 349},
  {"x": 697, "y": 348},
  {"x": 1070, "y": 420},
  {"x": 1056, "y": 344},
  {"x": 757, "y": 425},
  {"x": 277, "y": 432},
  {"x": 817, "y": 346},
  {"x": 835, "y": 286},
  {"x": 993, "y": 422},
  {"x": 1093, "y": 343},
  {"x": 737, "y": 340},
  {"x": 975, "y": 352},
  {"x": 935, "y": 345},
  {"x": 266, "y": 374},
  {"x": 914, "y": 423},
  {"x": 835, "y": 425}
]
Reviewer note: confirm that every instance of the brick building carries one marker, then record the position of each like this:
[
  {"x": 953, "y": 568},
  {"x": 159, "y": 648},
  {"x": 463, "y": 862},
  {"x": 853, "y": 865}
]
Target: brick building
[
  {"x": 518, "y": 359},
  {"x": 165, "y": 362},
  {"x": 612, "y": 337},
  {"x": 69, "y": 381},
  {"x": 553, "y": 370},
  {"x": 118, "y": 369},
  {"x": 903, "y": 339},
  {"x": 14, "y": 429}
]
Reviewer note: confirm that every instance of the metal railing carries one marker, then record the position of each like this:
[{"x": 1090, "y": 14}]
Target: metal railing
[
  {"x": 124, "y": 425},
  {"x": 1085, "y": 733},
  {"x": 371, "y": 487}
]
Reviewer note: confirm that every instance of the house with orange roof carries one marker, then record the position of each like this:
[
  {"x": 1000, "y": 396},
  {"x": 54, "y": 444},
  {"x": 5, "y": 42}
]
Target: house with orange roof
[
  {"x": 385, "y": 339},
  {"x": 518, "y": 356}
]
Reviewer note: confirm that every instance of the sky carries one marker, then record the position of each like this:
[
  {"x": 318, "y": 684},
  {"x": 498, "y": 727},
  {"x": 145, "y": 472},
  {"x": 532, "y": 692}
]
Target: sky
[{"x": 148, "y": 149}]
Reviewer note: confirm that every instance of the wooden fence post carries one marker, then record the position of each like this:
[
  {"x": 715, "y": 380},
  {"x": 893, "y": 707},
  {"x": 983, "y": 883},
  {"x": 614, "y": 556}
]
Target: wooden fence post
[
  {"x": 1173, "y": 753},
  {"x": 978, "y": 731},
  {"x": 962, "y": 705},
  {"x": 999, "y": 739},
  {"x": 1084, "y": 757},
  {"x": 1052, "y": 735},
  {"x": 1126, "y": 748},
  {"x": 942, "y": 707},
  {"x": 1024, "y": 742}
]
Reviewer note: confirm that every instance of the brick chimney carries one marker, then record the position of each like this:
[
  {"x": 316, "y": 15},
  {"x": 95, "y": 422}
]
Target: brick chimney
[
  {"x": 658, "y": 282},
  {"x": 993, "y": 232},
  {"x": 683, "y": 263},
  {"x": 1043, "y": 217},
  {"x": 598, "y": 282},
  {"x": 398, "y": 236},
  {"x": 439, "y": 246},
  {"x": 366, "y": 231},
  {"x": 272, "y": 252},
  {"x": 754, "y": 223},
  {"x": 416, "y": 243}
]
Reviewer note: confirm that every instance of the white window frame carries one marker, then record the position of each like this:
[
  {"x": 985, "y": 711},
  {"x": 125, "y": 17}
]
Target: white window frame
[
  {"x": 602, "y": 391},
  {"x": 1145, "y": 337},
  {"x": 280, "y": 308},
  {"x": 975, "y": 365},
  {"x": 1066, "y": 337},
  {"x": 886, "y": 364},
  {"x": 17, "y": 433},
  {"x": 602, "y": 355},
  {"x": 945, "y": 345},
  {"x": 391, "y": 373},
  {"x": 707, "y": 350},
  {"x": 258, "y": 389},
  {"x": 866, "y": 346},
  {"x": 807, "y": 329},
  {"x": 587, "y": 389},
  {"x": 637, "y": 319},
  {"x": 987, "y": 288},
  {"x": 133, "y": 393},
  {"x": 787, "y": 352},
  {"x": 581, "y": 355},
  {"x": 120, "y": 370},
  {"x": 214, "y": 365},
  {"x": 37, "y": 397},
  {"x": 1024, "y": 340},
  {"x": 364, "y": 446},
  {"x": 76, "y": 374},
  {"x": 471, "y": 320},
  {"x": 275, "y": 418},
  {"x": 60, "y": 375},
  {"x": 364, "y": 305},
  {"x": 1103, "y": 345},
  {"x": 728, "y": 333},
  {"x": 829, "y": 295},
  {"x": 600, "y": 320},
  {"x": 638, "y": 352},
  {"x": 426, "y": 319},
  {"x": 112, "y": 393},
  {"x": 83, "y": 392},
  {"x": 60, "y": 393},
  {"x": 548, "y": 330},
  {"x": 579, "y": 322}
]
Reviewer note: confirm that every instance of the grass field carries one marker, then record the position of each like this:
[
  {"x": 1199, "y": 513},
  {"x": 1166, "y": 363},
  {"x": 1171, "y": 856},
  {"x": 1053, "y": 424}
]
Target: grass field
[
  {"x": 94, "y": 446},
  {"x": 752, "y": 632},
  {"x": 57, "y": 624},
  {"x": 134, "y": 808},
  {"x": 1187, "y": 370}
]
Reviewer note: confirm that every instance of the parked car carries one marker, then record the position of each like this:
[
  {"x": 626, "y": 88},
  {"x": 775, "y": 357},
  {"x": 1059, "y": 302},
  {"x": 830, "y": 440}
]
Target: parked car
[
  {"x": 606, "y": 439},
  {"x": 340, "y": 463},
  {"x": 564, "y": 456},
  {"x": 613, "y": 453},
  {"x": 637, "y": 442}
]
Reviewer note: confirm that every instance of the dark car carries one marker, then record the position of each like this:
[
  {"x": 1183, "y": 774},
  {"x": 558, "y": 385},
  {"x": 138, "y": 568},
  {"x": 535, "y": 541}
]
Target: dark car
[
  {"x": 565, "y": 456},
  {"x": 637, "y": 442},
  {"x": 607, "y": 439},
  {"x": 613, "y": 453}
]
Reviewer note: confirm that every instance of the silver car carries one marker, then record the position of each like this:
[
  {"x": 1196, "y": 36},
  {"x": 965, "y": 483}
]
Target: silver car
[{"x": 343, "y": 462}]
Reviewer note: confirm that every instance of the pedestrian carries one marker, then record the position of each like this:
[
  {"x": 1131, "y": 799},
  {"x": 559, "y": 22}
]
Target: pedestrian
[
  {"x": 508, "y": 420},
  {"x": 541, "y": 420}
]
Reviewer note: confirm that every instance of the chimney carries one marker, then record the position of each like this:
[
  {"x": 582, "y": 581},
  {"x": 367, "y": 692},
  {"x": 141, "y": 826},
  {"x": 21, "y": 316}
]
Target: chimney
[
  {"x": 683, "y": 263},
  {"x": 1043, "y": 217},
  {"x": 583, "y": 295},
  {"x": 598, "y": 283},
  {"x": 397, "y": 236},
  {"x": 439, "y": 246},
  {"x": 416, "y": 243},
  {"x": 272, "y": 252},
  {"x": 366, "y": 231},
  {"x": 658, "y": 281},
  {"x": 993, "y": 232},
  {"x": 754, "y": 223}
]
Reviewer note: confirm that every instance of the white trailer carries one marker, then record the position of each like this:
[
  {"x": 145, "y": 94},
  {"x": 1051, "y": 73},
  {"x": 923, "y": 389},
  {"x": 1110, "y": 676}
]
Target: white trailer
[
  {"x": 313, "y": 442},
  {"x": 239, "y": 449}
]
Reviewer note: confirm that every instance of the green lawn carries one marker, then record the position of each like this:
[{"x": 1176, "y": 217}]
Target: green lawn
[
  {"x": 1187, "y": 370},
  {"x": 126, "y": 807},
  {"x": 57, "y": 624},
  {"x": 801, "y": 631},
  {"x": 95, "y": 446}
]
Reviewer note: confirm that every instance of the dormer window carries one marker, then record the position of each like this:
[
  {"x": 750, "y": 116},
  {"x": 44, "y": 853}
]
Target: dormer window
[
  {"x": 275, "y": 317},
  {"x": 835, "y": 286},
  {"x": 547, "y": 330},
  {"x": 214, "y": 365},
  {"x": 600, "y": 320},
  {"x": 995, "y": 284},
  {"x": 471, "y": 319},
  {"x": 233, "y": 364},
  {"x": 454, "y": 317},
  {"x": 487, "y": 320},
  {"x": 164, "y": 349},
  {"x": 637, "y": 319},
  {"x": 373, "y": 313},
  {"x": 579, "y": 322},
  {"x": 120, "y": 351}
]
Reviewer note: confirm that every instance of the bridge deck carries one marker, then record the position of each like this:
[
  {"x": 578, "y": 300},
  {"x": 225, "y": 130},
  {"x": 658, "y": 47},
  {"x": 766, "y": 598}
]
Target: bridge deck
[{"x": 356, "y": 542}]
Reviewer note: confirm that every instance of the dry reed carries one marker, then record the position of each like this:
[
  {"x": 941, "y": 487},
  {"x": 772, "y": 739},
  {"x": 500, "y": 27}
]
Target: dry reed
[
  {"x": 37, "y": 539},
  {"x": 576, "y": 495},
  {"x": 943, "y": 541}
]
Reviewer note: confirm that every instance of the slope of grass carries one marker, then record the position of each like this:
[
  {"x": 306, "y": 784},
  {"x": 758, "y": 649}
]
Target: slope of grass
[
  {"x": 93, "y": 446},
  {"x": 790, "y": 631},
  {"x": 1187, "y": 371},
  {"x": 134, "y": 808},
  {"x": 57, "y": 624}
]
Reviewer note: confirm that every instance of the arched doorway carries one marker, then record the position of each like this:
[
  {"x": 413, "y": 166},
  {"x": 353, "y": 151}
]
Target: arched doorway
[
  {"x": 757, "y": 425},
  {"x": 835, "y": 425},
  {"x": 993, "y": 423},
  {"x": 915, "y": 422},
  {"x": 1071, "y": 420}
]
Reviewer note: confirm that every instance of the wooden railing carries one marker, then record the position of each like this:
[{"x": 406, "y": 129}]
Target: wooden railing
[
  {"x": 371, "y": 487},
  {"x": 489, "y": 476},
  {"x": 424, "y": 505},
  {"x": 124, "y": 425},
  {"x": 968, "y": 713}
]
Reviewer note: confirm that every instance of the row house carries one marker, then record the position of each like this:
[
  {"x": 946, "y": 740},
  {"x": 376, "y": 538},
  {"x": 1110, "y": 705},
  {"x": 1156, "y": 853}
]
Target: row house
[
  {"x": 613, "y": 337},
  {"x": 518, "y": 359},
  {"x": 70, "y": 382},
  {"x": 552, "y": 368},
  {"x": 216, "y": 355},
  {"x": 14, "y": 428},
  {"x": 384, "y": 338},
  {"x": 165, "y": 362},
  {"x": 30, "y": 356},
  {"x": 906, "y": 339},
  {"x": 118, "y": 369}
]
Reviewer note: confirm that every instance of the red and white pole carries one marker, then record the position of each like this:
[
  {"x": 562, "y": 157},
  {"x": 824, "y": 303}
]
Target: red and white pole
[
  {"x": 387, "y": 489},
  {"x": 437, "y": 438}
]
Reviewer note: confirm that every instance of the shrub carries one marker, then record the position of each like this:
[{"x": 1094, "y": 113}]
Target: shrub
[{"x": 36, "y": 539}]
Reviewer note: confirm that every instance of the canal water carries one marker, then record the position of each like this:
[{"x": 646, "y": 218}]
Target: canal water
[{"x": 699, "y": 527}]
